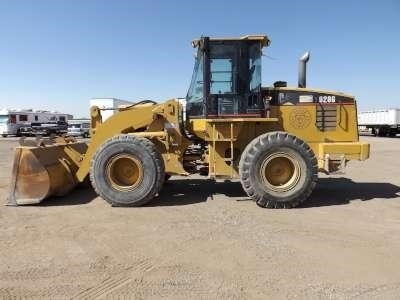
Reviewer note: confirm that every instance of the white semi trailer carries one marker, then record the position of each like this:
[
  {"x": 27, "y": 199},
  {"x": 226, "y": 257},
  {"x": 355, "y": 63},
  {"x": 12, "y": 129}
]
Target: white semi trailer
[
  {"x": 13, "y": 121},
  {"x": 383, "y": 122}
]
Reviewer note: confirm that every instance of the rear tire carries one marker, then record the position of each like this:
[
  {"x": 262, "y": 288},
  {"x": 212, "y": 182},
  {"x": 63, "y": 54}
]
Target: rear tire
[
  {"x": 278, "y": 170},
  {"x": 127, "y": 171},
  {"x": 381, "y": 132},
  {"x": 392, "y": 132}
]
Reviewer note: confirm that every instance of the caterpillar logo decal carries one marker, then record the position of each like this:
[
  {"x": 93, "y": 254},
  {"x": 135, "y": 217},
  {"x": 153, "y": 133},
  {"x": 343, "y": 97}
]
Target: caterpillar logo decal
[{"x": 300, "y": 118}]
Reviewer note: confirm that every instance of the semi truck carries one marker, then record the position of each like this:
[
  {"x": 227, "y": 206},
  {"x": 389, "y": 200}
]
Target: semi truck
[{"x": 382, "y": 122}]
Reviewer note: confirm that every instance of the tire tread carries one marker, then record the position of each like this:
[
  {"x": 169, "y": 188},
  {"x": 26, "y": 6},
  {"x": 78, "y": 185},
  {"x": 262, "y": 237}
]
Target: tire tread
[
  {"x": 275, "y": 139},
  {"x": 152, "y": 150}
]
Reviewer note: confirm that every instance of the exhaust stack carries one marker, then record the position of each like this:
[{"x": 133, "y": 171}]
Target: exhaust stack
[{"x": 303, "y": 69}]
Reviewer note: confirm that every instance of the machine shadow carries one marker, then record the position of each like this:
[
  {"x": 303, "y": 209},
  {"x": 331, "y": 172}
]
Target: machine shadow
[
  {"x": 340, "y": 190},
  {"x": 328, "y": 192},
  {"x": 80, "y": 195},
  {"x": 191, "y": 191},
  {"x": 176, "y": 192}
]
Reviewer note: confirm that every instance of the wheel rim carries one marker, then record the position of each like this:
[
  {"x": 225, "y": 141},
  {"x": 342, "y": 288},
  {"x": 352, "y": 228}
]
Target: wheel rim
[
  {"x": 124, "y": 172},
  {"x": 280, "y": 172}
]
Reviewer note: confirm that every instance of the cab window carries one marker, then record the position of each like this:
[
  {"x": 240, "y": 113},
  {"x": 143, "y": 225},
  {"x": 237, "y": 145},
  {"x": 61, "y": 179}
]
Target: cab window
[{"x": 194, "y": 98}]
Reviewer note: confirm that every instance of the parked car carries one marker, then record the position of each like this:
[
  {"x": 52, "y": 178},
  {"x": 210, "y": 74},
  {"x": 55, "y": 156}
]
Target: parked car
[
  {"x": 79, "y": 129},
  {"x": 44, "y": 129}
]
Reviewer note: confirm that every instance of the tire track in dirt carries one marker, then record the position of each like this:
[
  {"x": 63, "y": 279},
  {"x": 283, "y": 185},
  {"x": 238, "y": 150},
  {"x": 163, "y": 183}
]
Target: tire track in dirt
[
  {"x": 379, "y": 291},
  {"x": 50, "y": 292},
  {"x": 113, "y": 282},
  {"x": 129, "y": 281},
  {"x": 31, "y": 274}
]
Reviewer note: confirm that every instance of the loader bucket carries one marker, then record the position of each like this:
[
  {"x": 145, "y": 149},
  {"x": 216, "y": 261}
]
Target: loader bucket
[{"x": 43, "y": 171}]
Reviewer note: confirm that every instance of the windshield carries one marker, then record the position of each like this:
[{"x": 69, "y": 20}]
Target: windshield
[
  {"x": 3, "y": 119},
  {"x": 194, "y": 98},
  {"x": 255, "y": 68}
]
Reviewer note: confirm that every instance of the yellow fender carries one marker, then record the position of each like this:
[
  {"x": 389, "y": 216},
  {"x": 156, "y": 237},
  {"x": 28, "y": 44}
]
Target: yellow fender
[{"x": 123, "y": 122}]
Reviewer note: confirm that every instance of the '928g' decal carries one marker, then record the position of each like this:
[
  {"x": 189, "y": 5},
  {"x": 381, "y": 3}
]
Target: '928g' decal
[{"x": 326, "y": 99}]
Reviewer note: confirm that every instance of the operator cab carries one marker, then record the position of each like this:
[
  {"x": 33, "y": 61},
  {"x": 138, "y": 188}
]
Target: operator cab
[{"x": 226, "y": 80}]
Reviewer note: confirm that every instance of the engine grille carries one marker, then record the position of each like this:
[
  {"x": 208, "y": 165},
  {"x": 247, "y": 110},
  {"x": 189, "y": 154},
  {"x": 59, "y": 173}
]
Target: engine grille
[{"x": 326, "y": 119}]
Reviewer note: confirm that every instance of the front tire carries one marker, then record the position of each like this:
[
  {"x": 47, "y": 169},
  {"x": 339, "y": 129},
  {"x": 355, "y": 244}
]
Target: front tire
[
  {"x": 127, "y": 171},
  {"x": 278, "y": 170}
]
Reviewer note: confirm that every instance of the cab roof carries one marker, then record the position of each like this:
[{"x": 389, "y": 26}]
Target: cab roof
[{"x": 264, "y": 40}]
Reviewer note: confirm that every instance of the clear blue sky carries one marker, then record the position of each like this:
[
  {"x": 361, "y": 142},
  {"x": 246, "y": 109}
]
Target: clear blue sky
[{"x": 58, "y": 54}]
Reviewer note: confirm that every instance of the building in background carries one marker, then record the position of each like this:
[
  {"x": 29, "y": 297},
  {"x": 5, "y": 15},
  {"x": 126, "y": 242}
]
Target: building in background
[{"x": 108, "y": 106}]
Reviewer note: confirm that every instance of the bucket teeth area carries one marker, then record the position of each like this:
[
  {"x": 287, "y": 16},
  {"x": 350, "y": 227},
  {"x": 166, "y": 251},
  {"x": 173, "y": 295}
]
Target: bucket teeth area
[{"x": 44, "y": 171}]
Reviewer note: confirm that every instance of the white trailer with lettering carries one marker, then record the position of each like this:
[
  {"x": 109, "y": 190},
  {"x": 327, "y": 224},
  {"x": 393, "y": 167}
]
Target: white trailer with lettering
[{"x": 381, "y": 122}]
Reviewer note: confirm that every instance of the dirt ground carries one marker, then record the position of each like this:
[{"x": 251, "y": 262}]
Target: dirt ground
[{"x": 201, "y": 239}]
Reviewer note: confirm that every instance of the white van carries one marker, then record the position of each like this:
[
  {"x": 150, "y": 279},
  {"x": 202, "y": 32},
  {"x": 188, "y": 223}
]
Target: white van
[{"x": 79, "y": 128}]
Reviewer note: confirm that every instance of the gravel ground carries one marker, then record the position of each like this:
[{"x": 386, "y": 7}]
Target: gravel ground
[{"x": 202, "y": 239}]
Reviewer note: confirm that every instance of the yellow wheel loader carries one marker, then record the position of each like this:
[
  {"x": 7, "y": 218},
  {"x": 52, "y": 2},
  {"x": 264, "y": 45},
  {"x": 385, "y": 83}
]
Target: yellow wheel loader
[{"x": 274, "y": 139}]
